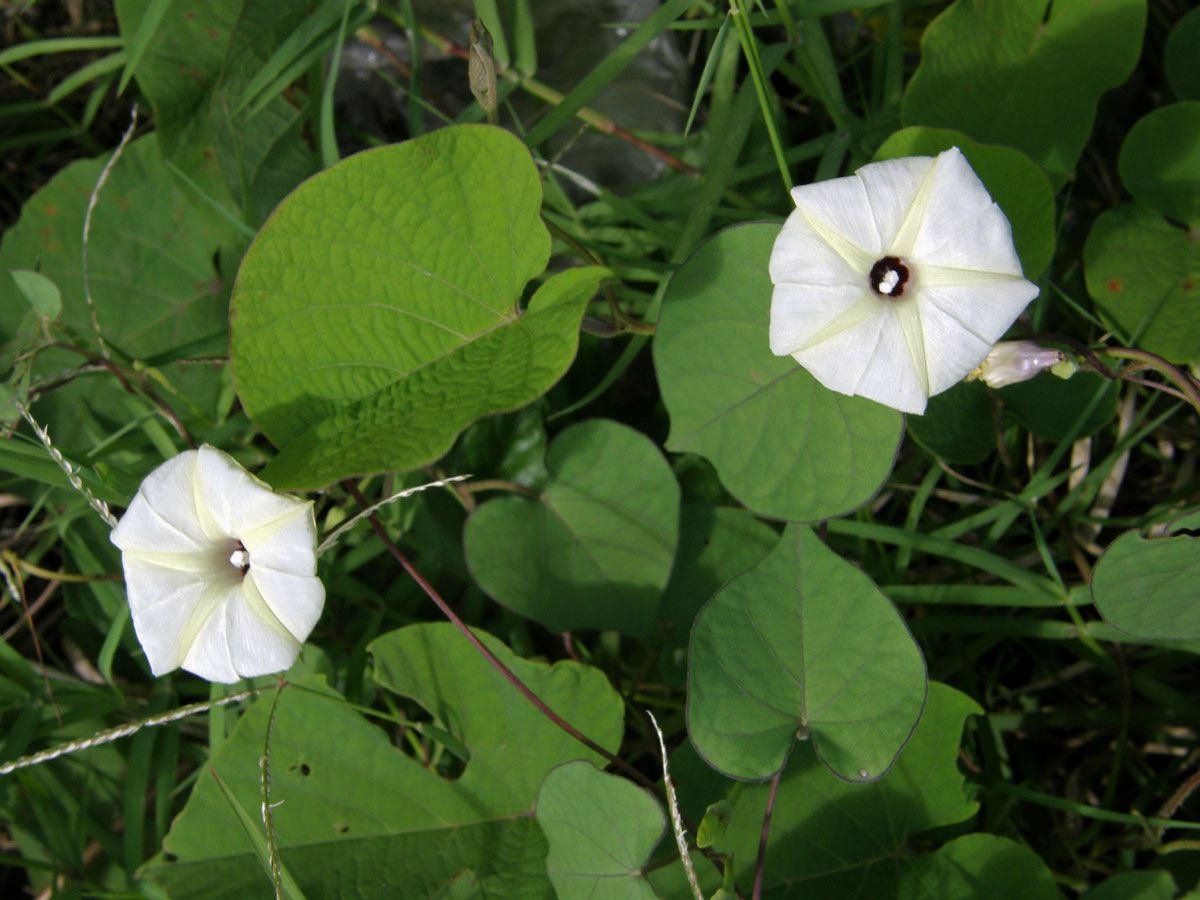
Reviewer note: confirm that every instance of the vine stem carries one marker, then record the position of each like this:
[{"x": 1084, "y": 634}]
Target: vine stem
[
  {"x": 491, "y": 657},
  {"x": 1185, "y": 383},
  {"x": 761, "y": 862}
]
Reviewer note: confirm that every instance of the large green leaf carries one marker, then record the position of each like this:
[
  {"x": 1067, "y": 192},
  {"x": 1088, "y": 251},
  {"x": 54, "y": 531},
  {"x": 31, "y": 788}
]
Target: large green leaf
[
  {"x": 803, "y": 646},
  {"x": 1148, "y": 587},
  {"x": 782, "y": 444},
  {"x": 595, "y": 550},
  {"x": 1012, "y": 178},
  {"x": 194, "y": 72},
  {"x": 978, "y": 867},
  {"x": 362, "y": 819},
  {"x": 376, "y": 314},
  {"x": 601, "y": 830},
  {"x": 1146, "y": 885},
  {"x": 1179, "y": 57},
  {"x": 1160, "y": 161},
  {"x": 152, "y": 273},
  {"x": 1144, "y": 272},
  {"x": 150, "y": 255},
  {"x": 840, "y": 839},
  {"x": 715, "y": 544},
  {"x": 1027, "y": 73}
]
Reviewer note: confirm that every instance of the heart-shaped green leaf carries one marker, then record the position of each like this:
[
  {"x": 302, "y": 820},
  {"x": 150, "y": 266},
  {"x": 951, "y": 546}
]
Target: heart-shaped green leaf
[
  {"x": 1026, "y": 73},
  {"x": 1179, "y": 56},
  {"x": 783, "y": 445},
  {"x": 1144, "y": 272},
  {"x": 978, "y": 867},
  {"x": 376, "y": 314},
  {"x": 836, "y": 838},
  {"x": 601, "y": 830},
  {"x": 152, "y": 275},
  {"x": 1160, "y": 161},
  {"x": 1148, "y": 587},
  {"x": 1014, "y": 180},
  {"x": 194, "y": 72},
  {"x": 803, "y": 646},
  {"x": 595, "y": 550},
  {"x": 715, "y": 544},
  {"x": 1150, "y": 884},
  {"x": 362, "y": 819}
]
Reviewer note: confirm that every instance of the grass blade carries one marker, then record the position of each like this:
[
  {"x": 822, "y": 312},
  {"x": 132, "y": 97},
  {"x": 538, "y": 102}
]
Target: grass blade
[
  {"x": 608, "y": 69},
  {"x": 58, "y": 45},
  {"x": 137, "y": 47},
  {"x": 710, "y": 66},
  {"x": 92, "y": 70},
  {"x": 327, "y": 138},
  {"x": 740, "y": 16}
]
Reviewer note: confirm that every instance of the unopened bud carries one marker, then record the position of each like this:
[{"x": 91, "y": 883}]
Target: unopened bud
[{"x": 1014, "y": 361}]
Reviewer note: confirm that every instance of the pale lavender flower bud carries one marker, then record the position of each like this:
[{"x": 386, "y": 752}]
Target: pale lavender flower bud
[{"x": 1014, "y": 361}]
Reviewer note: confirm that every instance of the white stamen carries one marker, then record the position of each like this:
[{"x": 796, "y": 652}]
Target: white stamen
[{"x": 239, "y": 559}]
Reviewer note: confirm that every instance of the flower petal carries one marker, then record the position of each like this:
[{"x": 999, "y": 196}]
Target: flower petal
[
  {"x": 868, "y": 359},
  {"x": 207, "y": 654},
  {"x": 891, "y": 376},
  {"x": 236, "y": 501},
  {"x": 961, "y": 227},
  {"x": 162, "y": 515},
  {"x": 288, "y": 543},
  {"x": 963, "y": 322},
  {"x": 164, "y": 602},
  {"x": 799, "y": 313},
  {"x": 295, "y": 600},
  {"x": 891, "y": 186},
  {"x": 259, "y": 643},
  {"x": 802, "y": 255}
]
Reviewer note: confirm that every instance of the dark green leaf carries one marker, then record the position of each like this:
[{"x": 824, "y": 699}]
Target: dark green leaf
[
  {"x": 596, "y": 549},
  {"x": 803, "y": 647},
  {"x": 1160, "y": 161},
  {"x": 601, "y": 830},
  {"x": 1148, "y": 587},
  {"x": 1026, "y": 73}
]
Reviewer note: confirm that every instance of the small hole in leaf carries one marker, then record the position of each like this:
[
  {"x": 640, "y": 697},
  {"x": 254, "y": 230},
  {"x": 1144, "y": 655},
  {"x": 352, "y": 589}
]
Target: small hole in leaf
[
  {"x": 341, "y": 827},
  {"x": 170, "y": 857},
  {"x": 303, "y": 769}
]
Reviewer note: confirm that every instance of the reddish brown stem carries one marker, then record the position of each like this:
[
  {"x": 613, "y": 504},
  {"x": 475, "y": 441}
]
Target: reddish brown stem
[
  {"x": 761, "y": 862},
  {"x": 488, "y": 654}
]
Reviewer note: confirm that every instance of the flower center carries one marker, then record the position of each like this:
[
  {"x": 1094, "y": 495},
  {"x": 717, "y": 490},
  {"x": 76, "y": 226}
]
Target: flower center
[
  {"x": 889, "y": 276},
  {"x": 240, "y": 558}
]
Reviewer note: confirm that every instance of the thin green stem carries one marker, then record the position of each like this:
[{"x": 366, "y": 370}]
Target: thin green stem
[{"x": 741, "y": 18}]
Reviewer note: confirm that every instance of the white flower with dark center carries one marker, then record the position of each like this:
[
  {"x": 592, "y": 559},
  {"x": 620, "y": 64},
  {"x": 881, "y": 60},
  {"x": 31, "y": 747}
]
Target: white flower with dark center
[
  {"x": 220, "y": 570},
  {"x": 894, "y": 282}
]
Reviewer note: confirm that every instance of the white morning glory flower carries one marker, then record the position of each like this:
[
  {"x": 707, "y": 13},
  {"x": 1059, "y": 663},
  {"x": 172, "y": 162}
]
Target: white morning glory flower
[
  {"x": 894, "y": 282},
  {"x": 220, "y": 570},
  {"x": 1013, "y": 361}
]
